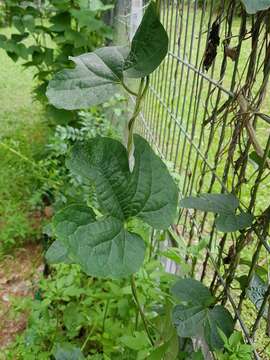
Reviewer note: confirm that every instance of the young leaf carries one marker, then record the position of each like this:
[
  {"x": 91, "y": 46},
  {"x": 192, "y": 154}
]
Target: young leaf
[
  {"x": 93, "y": 80},
  {"x": 253, "y": 6},
  {"x": 149, "y": 45},
  {"x": 232, "y": 222},
  {"x": 193, "y": 292},
  {"x": 148, "y": 192},
  {"x": 216, "y": 203}
]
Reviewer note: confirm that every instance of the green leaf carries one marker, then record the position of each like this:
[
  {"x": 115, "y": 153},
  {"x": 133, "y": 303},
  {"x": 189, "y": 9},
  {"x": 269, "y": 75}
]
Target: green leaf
[
  {"x": 256, "y": 292},
  {"x": 87, "y": 18},
  {"x": 29, "y": 22},
  {"x": 195, "y": 321},
  {"x": 149, "y": 45},
  {"x": 216, "y": 203},
  {"x": 197, "y": 316},
  {"x": 159, "y": 352},
  {"x": 73, "y": 319},
  {"x": 93, "y": 81},
  {"x": 61, "y": 22},
  {"x": 193, "y": 292},
  {"x": 102, "y": 248},
  {"x": 18, "y": 23},
  {"x": 137, "y": 342},
  {"x": 258, "y": 160},
  {"x": 189, "y": 320},
  {"x": 68, "y": 220},
  {"x": 68, "y": 352},
  {"x": 253, "y": 6},
  {"x": 217, "y": 318},
  {"x": 148, "y": 192},
  {"x": 57, "y": 253},
  {"x": 232, "y": 222},
  {"x": 105, "y": 249}
]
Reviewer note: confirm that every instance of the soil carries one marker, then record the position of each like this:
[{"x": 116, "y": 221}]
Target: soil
[{"x": 19, "y": 275}]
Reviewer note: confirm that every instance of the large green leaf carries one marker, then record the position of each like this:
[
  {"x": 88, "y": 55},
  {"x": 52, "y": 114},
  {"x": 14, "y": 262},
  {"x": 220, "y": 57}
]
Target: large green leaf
[
  {"x": 149, "y": 45},
  {"x": 193, "y": 292},
  {"x": 253, "y": 6},
  {"x": 196, "y": 316},
  {"x": 197, "y": 321},
  {"x": 217, "y": 203},
  {"x": 232, "y": 222},
  {"x": 148, "y": 192},
  {"x": 93, "y": 80},
  {"x": 103, "y": 248}
]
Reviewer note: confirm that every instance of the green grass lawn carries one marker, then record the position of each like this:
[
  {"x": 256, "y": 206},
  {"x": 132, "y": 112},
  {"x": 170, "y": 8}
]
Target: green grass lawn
[{"x": 23, "y": 133}]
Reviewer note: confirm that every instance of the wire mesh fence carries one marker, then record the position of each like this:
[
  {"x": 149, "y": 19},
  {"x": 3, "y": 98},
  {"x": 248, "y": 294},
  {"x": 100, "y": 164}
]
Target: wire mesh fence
[{"x": 206, "y": 114}]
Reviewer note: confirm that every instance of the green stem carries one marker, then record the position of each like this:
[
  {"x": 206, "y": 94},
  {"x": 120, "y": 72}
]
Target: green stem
[
  {"x": 105, "y": 315},
  {"x": 88, "y": 337},
  {"x": 141, "y": 94},
  {"x": 128, "y": 89},
  {"x": 144, "y": 320}
]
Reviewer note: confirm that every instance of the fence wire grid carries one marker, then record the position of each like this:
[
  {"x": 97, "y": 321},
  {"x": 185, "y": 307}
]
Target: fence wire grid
[{"x": 210, "y": 124}]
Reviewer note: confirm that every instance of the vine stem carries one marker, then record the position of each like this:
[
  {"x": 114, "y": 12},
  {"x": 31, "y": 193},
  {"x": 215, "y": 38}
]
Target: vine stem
[
  {"x": 139, "y": 98},
  {"x": 144, "y": 320}
]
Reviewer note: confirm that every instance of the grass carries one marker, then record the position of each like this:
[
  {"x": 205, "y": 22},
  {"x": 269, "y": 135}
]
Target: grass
[{"x": 23, "y": 133}]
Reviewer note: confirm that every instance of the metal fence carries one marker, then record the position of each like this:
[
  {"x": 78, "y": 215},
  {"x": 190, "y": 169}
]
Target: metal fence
[{"x": 206, "y": 116}]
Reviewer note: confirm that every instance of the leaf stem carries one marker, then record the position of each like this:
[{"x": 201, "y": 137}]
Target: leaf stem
[{"x": 136, "y": 299}]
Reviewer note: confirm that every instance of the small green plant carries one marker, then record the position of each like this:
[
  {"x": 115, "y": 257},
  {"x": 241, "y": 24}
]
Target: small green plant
[{"x": 234, "y": 347}]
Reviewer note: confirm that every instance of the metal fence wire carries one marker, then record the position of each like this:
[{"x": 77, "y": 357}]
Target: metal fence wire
[{"x": 207, "y": 118}]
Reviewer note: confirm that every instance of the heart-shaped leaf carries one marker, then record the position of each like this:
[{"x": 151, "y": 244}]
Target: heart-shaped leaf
[
  {"x": 232, "y": 222},
  {"x": 149, "y": 45},
  {"x": 196, "y": 316},
  {"x": 93, "y": 80},
  {"x": 193, "y": 292},
  {"x": 148, "y": 192},
  {"x": 103, "y": 248},
  {"x": 253, "y": 6},
  {"x": 217, "y": 203}
]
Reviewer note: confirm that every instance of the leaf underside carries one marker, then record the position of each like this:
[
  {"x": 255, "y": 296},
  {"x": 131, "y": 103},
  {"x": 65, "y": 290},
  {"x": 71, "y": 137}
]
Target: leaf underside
[
  {"x": 253, "y": 6},
  {"x": 223, "y": 204},
  {"x": 95, "y": 79}
]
